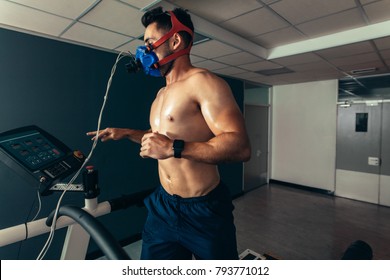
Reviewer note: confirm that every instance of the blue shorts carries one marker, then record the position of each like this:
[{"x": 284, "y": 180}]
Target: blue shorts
[{"x": 178, "y": 228}]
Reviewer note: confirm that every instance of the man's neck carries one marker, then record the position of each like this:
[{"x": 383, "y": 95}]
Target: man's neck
[{"x": 179, "y": 70}]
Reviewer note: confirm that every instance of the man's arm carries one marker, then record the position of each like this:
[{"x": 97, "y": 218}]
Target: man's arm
[
  {"x": 118, "y": 134},
  {"x": 225, "y": 120}
]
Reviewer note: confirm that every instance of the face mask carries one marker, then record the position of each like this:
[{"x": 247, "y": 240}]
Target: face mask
[{"x": 149, "y": 60}]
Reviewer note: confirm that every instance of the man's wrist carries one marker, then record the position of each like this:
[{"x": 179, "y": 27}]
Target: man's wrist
[{"x": 178, "y": 147}]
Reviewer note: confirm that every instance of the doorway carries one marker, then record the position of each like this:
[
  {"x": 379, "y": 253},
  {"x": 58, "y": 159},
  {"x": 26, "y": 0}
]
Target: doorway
[{"x": 256, "y": 169}]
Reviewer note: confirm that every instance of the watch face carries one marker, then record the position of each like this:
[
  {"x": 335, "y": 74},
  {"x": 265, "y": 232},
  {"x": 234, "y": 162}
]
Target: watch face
[{"x": 178, "y": 144}]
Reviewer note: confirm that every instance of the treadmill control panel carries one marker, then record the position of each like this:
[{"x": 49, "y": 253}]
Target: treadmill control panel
[{"x": 38, "y": 157}]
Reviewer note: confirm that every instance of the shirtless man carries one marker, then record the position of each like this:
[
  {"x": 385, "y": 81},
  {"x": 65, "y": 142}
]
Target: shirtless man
[{"x": 195, "y": 125}]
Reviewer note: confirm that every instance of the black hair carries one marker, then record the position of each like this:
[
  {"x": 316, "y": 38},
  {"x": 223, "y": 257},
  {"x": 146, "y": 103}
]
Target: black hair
[{"x": 163, "y": 21}]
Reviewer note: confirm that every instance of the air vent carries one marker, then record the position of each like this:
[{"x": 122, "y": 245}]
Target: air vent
[
  {"x": 363, "y": 71},
  {"x": 277, "y": 71},
  {"x": 198, "y": 39}
]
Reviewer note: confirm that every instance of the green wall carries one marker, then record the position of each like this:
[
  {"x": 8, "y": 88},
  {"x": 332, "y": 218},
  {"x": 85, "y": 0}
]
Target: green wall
[
  {"x": 60, "y": 87},
  {"x": 257, "y": 96}
]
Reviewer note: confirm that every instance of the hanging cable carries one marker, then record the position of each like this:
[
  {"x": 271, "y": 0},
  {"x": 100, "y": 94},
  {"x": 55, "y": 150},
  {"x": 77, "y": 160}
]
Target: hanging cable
[{"x": 94, "y": 144}]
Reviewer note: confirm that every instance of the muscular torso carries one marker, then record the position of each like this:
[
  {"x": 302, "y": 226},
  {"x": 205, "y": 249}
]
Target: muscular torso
[{"x": 176, "y": 113}]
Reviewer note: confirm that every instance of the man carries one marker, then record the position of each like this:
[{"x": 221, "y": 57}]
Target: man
[{"x": 195, "y": 124}]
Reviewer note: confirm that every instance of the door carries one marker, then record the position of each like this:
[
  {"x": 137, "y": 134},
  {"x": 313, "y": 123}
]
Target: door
[
  {"x": 256, "y": 169},
  {"x": 362, "y": 166}
]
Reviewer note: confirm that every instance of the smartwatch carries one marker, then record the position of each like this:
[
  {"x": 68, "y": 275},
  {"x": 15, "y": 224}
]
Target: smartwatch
[{"x": 178, "y": 147}]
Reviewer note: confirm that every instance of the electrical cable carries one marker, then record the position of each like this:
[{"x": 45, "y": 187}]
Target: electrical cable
[
  {"x": 29, "y": 213},
  {"x": 39, "y": 207},
  {"x": 94, "y": 144}
]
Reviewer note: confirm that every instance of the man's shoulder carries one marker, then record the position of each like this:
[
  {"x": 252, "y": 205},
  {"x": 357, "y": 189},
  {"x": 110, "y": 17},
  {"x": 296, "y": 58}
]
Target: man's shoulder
[
  {"x": 202, "y": 75},
  {"x": 204, "y": 83}
]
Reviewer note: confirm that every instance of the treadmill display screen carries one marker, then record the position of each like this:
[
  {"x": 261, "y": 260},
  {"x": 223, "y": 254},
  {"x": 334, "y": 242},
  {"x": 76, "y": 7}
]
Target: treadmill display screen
[{"x": 31, "y": 149}]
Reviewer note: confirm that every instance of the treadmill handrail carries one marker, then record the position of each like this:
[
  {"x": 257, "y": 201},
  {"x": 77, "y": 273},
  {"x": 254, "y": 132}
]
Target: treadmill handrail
[{"x": 103, "y": 238}]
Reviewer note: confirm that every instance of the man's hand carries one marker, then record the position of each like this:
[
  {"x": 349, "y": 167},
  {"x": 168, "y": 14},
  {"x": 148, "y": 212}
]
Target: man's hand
[
  {"x": 109, "y": 134},
  {"x": 156, "y": 145}
]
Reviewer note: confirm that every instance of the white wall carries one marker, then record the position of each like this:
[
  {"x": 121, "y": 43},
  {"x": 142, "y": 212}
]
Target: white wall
[{"x": 304, "y": 119}]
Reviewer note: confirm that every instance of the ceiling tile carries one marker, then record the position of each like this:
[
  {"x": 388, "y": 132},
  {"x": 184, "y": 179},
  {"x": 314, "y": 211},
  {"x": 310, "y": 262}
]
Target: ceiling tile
[
  {"x": 365, "y": 2},
  {"x": 140, "y": 4},
  {"x": 332, "y": 24},
  {"x": 254, "y": 23},
  {"x": 267, "y": 2},
  {"x": 262, "y": 65},
  {"x": 127, "y": 19},
  {"x": 94, "y": 36},
  {"x": 195, "y": 59},
  {"x": 213, "y": 49},
  {"x": 385, "y": 54},
  {"x": 305, "y": 10},
  {"x": 69, "y": 8},
  {"x": 218, "y": 10},
  {"x": 298, "y": 59},
  {"x": 382, "y": 43},
  {"x": 315, "y": 66},
  {"x": 257, "y": 79},
  {"x": 346, "y": 50},
  {"x": 354, "y": 59},
  {"x": 247, "y": 75},
  {"x": 237, "y": 58},
  {"x": 19, "y": 16},
  {"x": 378, "y": 11},
  {"x": 267, "y": 80},
  {"x": 210, "y": 65},
  {"x": 297, "y": 78},
  {"x": 279, "y": 37},
  {"x": 372, "y": 64},
  {"x": 330, "y": 76},
  {"x": 231, "y": 71},
  {"x": 329, "y": 72},
  {"x": 130, "y": 46}
]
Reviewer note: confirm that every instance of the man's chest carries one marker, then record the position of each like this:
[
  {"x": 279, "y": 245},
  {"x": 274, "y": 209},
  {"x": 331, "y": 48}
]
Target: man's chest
[{"x": 172, "y": 109}]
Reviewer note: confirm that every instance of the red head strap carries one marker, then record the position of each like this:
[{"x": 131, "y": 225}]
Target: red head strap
[{"x": 177, "y": 26}]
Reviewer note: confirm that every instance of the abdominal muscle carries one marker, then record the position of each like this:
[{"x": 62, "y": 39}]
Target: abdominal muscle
[{"x": 187, "y": 178}]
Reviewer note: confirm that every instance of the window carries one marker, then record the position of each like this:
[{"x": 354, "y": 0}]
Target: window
[{"x": 361, "y": 122}]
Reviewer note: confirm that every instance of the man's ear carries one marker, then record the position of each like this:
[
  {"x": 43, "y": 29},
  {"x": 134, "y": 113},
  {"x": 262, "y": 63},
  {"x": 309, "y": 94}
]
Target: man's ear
[{"x": 177, "y": 40}]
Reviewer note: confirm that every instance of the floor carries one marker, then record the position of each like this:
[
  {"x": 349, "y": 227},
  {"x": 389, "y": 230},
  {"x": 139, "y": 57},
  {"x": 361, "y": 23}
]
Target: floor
[{"x": 294, "y": 224}]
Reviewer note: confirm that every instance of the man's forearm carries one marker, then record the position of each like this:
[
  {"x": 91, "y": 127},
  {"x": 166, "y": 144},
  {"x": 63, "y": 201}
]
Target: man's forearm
[
  {"x": 227, "y": 147},
  {"x": 136, "y": 135}
]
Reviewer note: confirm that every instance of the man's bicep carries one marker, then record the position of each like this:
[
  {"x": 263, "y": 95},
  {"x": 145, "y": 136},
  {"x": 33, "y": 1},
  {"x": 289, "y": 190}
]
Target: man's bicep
[
  {"x": 223, "y": 115},
  {"x": 217, "y": 103}
]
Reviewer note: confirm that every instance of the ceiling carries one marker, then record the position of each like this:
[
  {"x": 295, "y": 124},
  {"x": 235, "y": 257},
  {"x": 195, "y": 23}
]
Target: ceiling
[{"x": 268, "y": 42}]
